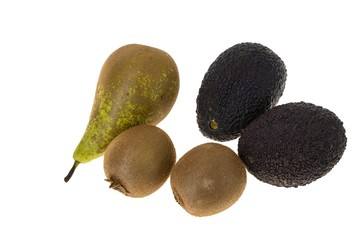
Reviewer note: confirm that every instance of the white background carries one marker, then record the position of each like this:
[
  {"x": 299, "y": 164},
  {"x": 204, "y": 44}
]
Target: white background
[{"x": 50, "y": 58}]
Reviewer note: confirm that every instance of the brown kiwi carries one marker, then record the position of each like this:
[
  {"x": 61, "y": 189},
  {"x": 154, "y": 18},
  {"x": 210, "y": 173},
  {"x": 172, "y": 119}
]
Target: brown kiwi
[
  {"x": 139, "y": 160},
  {"x": 208, "y": 179}
]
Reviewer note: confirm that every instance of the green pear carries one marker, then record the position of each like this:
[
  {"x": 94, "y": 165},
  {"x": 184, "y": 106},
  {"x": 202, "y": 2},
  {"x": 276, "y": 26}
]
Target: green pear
[{"x": 137, "y": 84}]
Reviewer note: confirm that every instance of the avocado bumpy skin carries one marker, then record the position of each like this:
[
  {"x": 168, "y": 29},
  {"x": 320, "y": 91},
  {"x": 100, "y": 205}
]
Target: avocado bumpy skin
[
  {"x": 243, "y": 82},
  {"x": 293, "y": 144}
]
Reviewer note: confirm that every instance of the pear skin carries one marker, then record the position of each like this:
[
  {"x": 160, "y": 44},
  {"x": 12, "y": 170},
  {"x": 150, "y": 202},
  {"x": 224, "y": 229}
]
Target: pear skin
[{"x": 137, "y": 84}]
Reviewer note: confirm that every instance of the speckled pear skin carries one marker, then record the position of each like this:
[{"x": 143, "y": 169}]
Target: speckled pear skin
[
  {"x": 292, "y": 144},
  {"x": 137, "y": 85},
  {"x": 243, "y": 82}
]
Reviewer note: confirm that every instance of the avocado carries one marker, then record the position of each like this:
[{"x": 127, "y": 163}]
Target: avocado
[
  {"x": 292, "y": 144},
  {"x": 243, "y": 82}
]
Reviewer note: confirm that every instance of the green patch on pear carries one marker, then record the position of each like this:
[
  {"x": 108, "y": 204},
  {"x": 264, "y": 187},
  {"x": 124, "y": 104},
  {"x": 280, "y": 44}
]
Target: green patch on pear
[{"x": 137, "y": 85}]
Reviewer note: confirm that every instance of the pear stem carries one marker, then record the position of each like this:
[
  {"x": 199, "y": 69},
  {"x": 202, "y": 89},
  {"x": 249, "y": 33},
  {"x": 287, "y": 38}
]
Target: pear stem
[{"x": 72, "y": 170}]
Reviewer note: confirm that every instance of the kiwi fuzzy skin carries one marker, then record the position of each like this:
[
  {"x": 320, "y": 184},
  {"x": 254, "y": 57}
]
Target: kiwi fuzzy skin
[
  {"x": 208, "y": 179},
  {"x": 292, "y": 144},
  {"x": 139, "y": 160}
]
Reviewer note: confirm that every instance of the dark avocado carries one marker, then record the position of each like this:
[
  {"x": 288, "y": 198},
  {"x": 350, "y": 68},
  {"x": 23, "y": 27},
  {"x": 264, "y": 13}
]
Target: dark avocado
[
  {"x": 292, "y": 144},
  {"x": 243, "y": 82}
]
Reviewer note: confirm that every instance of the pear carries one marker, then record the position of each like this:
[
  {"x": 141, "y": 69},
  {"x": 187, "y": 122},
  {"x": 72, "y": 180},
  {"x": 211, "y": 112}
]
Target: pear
[{"x": 137, "y": 85}]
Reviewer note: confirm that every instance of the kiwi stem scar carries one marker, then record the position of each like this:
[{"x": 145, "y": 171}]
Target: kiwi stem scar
[{"x": 71, "y": 172}]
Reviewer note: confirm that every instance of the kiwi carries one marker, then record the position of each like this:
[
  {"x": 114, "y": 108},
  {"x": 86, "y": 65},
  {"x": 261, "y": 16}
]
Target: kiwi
[
  {"x": 139, "y": 160},
  {"x": 208, "y": 179}
]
